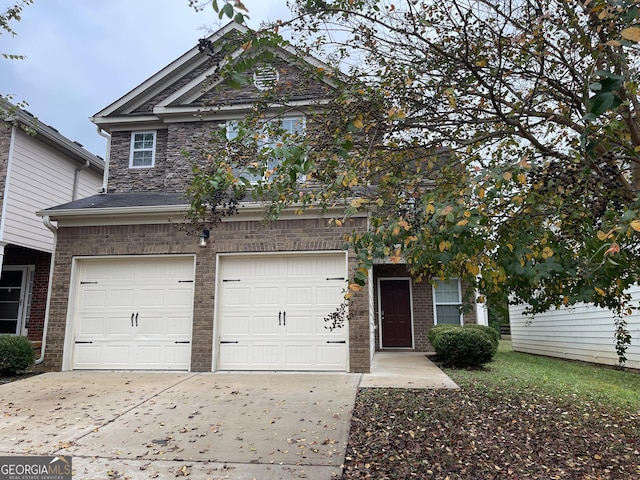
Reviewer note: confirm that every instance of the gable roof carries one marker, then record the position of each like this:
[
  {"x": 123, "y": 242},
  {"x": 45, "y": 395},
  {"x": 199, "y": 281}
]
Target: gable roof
[
  {"x": 177, "y": 91},
  {"x": 49, "y": 135}
]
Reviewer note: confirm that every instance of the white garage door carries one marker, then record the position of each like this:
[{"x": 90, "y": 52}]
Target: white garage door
[
  {"x": 272, "y": 309},
  {"x": 133, "y": 313}
]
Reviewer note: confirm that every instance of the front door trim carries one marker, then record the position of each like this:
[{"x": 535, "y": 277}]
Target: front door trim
[{"x": 379, "y": 287}]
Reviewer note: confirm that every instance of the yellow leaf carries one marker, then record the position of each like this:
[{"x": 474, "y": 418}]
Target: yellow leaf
[
  {"x": 481, "y": 193},
  {"x": 522, "y": 178},
  {"x": 481, "y": 63},
  {"x": 358, "y": 123},
  {"x": 462, "y": 223},
  {"x": 338, "y": 222},
  {"x": 358, "y": 202},
  {"x": 354, "y": 287},
  {"x": 631, "y": 33},
  {"x": 599, "y": 291},
  {"x": 403, "y": 223},
  {"x": 613, "y": 43},
  {"x": 380, "y": 202},
  {"x": 602, "y": 236},
  {"x": 547, "y": 252},
  {"x": 430, "y": 209},
  {"x": 444, "y": 245},
  {"x": 636, "y": 225},
  {"x": 507, "y": 175},
  {"x": 473, "y": 269}
]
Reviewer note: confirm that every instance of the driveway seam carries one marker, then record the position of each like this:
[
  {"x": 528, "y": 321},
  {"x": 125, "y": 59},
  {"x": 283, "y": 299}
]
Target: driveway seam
[{"x": 124, "y": 412}]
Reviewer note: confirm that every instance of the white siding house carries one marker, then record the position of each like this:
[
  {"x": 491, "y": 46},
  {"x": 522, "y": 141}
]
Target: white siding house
[
  {"x": 582, "y": 332},
  {"x": 39, "y": 168}
]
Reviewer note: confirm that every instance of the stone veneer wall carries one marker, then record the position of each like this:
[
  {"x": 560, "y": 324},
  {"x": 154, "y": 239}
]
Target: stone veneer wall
[{"x": 301, "y": 235}]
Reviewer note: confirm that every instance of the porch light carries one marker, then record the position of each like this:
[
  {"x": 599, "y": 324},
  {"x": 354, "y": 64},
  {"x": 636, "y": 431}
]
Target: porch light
[{"x": 203, "y": 238}]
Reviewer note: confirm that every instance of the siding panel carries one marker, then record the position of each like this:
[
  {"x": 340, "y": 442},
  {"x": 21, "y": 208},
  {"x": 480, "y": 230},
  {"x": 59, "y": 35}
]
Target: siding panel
[
  {"x": 40, "y": 177},
  {"x": 581, "y": 332}
]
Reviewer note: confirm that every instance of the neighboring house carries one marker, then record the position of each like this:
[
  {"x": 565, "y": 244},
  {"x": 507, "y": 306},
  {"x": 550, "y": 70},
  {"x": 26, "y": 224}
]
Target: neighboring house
[
  {"x": 39, "y": 168},
  {"x": 133, "y": 290},
  {"x": 582, "y": 332}
]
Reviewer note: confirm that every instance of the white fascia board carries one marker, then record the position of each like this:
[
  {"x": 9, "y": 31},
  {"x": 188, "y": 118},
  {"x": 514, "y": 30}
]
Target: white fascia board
[
  {"x": 250, "y": 211},
  {"x": 127, "y": 122},
  {"x": 155, "y": 83}
]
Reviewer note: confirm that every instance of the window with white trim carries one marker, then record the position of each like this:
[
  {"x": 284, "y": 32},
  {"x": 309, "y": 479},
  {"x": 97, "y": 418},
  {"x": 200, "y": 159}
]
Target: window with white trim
[
  {"x": 143, "y": 149},
  {"x": 270, "y": 136},
  {"x": 447, "y": 299}
]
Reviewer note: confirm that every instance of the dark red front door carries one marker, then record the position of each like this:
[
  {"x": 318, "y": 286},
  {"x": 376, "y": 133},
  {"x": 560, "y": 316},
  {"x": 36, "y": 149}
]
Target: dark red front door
[{"x": 396, "y": 313}]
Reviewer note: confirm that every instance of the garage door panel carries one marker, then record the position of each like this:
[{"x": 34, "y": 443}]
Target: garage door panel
[
  {"x": 236, "y": 326},
  {"x": 331, "y": 355},
  {"x": 264, "y": 325},
  {"x": 235, "y": 295},
  {"x": 283, "y": 302},
  {"x": 265, "y": 296},
  {"x": 299, "y": 295},
  {"x": 132, "y": 312},
  {"x": 93, "y": 298},
  {"x": 329, "y": 295}
]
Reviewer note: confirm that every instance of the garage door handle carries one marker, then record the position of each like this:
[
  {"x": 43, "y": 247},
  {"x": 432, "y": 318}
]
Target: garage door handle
[
  {"x": 279, "y": 318},
  {"x": 284, "y": 318},
  {"x": 132, "y": 319},
  {"x": 336, "y": 341},
  {"x": 183, "y": 341},
  {"x": 80, "y": 341},
  {"x": 136, "y": 319},
  {"x": 229, "y": 341}
]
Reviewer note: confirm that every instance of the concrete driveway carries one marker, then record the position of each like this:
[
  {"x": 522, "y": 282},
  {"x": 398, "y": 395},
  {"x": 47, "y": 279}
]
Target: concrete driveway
[{"x": 161, "y": 425}]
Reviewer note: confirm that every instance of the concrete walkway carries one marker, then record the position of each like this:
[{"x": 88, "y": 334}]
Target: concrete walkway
[
  {"x": 141, "y": 425},
  {"x": 405, "y": 370}
]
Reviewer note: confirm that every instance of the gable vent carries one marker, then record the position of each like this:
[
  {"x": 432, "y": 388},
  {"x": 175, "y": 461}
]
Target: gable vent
[{"x": 265, "y": 78}]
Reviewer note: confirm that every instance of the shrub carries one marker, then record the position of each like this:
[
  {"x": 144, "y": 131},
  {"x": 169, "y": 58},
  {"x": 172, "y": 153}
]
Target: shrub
[
  {"x": 463, "y": 347},
  {"x": 16, "y": 354},
  {"x": 435, "y": 332},
  {"x": 491, "y": 333}
]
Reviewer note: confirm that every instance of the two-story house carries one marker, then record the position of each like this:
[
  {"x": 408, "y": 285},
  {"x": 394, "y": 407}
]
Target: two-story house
[
  {"x": 134, "y": 290},
  {"x": 39, "y": 168}
]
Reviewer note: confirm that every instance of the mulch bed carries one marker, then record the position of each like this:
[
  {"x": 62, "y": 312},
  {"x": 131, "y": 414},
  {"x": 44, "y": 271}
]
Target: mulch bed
[{"x": 476, "y": 433}]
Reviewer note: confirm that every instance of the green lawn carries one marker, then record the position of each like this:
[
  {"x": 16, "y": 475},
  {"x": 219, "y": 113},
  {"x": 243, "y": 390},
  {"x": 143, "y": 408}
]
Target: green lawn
[{"x": 584, "y": 382}]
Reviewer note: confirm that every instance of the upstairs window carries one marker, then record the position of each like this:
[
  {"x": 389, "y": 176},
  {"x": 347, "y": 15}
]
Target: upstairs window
[
  {"x": 271, "y": 136},
  {"x": 447, "y": 299},
  {"x": 143, "y": 150}
]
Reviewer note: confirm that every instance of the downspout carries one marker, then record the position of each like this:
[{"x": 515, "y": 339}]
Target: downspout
[
  {"x": 47, "y": 223},
  {"x": 76, "y": 179},
  {"x": 105, "y": 175}
]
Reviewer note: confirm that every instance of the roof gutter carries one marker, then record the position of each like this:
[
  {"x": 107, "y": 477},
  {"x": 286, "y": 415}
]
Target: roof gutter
[{"x": 47, "y": 223}]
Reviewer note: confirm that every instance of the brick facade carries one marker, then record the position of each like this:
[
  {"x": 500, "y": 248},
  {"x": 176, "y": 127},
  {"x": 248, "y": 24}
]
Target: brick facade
[
  {"x": 423, "y": 308},
  {"x": 301, "y": 235},
  {"x": 40, "y": 261}
]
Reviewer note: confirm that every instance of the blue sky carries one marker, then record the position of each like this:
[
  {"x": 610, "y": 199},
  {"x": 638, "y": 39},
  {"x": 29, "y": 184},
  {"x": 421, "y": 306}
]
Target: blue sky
[{"x": 84, "y": 54}]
